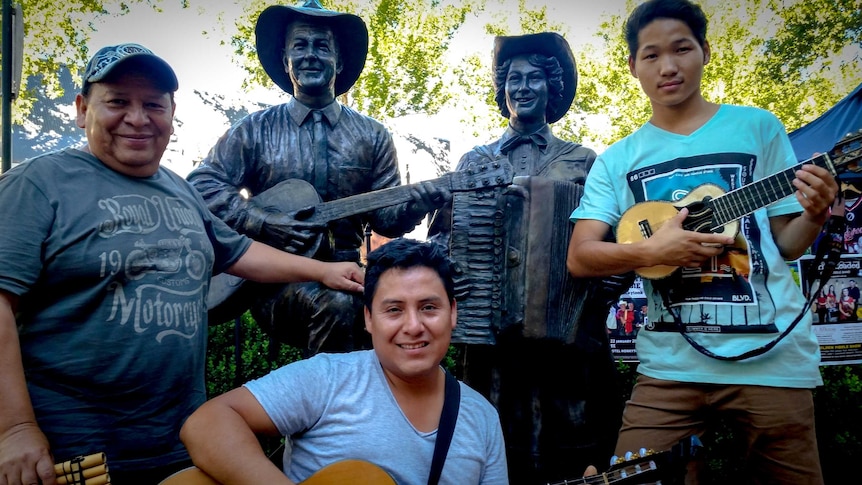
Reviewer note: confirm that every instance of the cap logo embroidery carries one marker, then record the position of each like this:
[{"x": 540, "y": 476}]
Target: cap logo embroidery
[{"x": 105, "y": 59}]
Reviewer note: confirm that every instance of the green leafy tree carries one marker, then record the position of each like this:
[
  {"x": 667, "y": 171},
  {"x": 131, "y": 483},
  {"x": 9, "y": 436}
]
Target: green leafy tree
[
  {"x": 839, "y": 436},
  {"x": 56, "y": 35},
  {"x": 818, "y": 35},
  {"x": 757, "y": 59}
]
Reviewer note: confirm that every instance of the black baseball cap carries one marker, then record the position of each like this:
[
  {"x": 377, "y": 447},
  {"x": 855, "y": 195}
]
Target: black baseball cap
[{"x": 107, "y": 59}]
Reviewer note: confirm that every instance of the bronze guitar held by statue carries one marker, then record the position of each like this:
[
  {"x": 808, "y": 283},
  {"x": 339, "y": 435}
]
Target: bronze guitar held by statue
[{"x": 299, "y": 195}]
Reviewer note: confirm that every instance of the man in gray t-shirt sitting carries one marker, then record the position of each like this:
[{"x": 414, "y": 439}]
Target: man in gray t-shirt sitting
[{"x": 384, "y": 406}]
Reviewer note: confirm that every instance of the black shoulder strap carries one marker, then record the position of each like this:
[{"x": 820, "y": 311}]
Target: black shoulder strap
[
  {"x": 828, "y": 254},
  {"x": 451, "y": 402}
]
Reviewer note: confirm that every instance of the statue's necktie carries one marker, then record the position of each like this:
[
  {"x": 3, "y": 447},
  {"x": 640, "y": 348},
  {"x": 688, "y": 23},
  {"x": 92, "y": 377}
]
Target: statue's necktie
[{"x": 321, "y": 164}]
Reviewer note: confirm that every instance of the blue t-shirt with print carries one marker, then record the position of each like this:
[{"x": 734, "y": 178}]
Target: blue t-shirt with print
[{"x": 739, "y": 300}]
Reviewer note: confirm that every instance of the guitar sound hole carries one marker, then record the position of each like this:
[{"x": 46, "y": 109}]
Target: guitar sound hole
[
  {"x": 697, "y": 208},
  {"x": 699, "y": 216}
]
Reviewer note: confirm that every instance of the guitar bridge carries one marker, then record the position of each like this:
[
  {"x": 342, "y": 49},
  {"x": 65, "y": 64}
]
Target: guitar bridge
[{"x": 646, "y": 229}]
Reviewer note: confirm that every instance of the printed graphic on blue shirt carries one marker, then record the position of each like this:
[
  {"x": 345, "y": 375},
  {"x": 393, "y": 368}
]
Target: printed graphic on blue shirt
[{"x": 724, "y": 293}]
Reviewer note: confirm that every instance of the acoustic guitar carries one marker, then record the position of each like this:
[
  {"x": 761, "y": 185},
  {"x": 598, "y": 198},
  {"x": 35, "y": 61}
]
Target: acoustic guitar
[
  {"x": 353, "y": 472},
  {"x": 298, "y": 195},
  {"x": 645, "y": 466},
  {"x": 711, "y": 209}
]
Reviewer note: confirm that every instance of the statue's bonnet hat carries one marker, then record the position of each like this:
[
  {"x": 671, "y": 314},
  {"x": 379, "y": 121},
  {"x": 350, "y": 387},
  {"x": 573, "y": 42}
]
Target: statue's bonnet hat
[{"x": 548, "y": 44}]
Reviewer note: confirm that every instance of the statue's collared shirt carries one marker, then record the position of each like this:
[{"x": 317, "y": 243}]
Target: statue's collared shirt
[
  {"x": 539, "y": 154},
  {"x": 275, "y": 144},
  {"x": 558, "y": 159},
  {"x": 301, "y": 113},
  {"x": 511, "y": 139},
  {"x": 524, "y": 151}
]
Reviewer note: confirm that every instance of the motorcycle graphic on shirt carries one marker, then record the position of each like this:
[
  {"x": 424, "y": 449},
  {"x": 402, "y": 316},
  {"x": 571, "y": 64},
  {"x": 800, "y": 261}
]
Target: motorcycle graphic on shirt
[{"x": 165, "y": 256}]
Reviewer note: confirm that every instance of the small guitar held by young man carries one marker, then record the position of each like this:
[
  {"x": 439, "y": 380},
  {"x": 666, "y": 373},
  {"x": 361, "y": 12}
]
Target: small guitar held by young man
[
  {"x": 711, "y": 209},
  {"x": 646, "y": 466},
  {"x": 354, "y": 472},
  {"x": 298, "y": 195}
]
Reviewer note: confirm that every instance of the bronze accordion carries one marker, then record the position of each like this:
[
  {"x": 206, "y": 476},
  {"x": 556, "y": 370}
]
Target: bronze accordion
[{"x": 510, "y": 246}]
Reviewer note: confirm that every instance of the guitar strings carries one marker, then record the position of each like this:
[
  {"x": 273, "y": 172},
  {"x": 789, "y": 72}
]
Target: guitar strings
[{"x": 738, "y": 203}]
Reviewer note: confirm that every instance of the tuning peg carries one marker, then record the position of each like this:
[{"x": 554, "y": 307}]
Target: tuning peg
[{"x": 616, "y": 460}]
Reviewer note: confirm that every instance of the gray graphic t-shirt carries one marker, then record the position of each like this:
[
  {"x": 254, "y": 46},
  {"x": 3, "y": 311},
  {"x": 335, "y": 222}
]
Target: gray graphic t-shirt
[{"x": 113, "y": 274}]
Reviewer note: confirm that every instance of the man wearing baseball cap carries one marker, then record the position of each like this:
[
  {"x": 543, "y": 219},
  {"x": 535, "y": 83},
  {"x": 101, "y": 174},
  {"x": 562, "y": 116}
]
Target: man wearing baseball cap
[{"x": 106, "y": 267}]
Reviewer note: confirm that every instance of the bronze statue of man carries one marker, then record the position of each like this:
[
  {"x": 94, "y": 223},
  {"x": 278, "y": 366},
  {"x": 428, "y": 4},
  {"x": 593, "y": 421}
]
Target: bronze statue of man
[
  {"x": 532, "y": 338},
  {"x": 293, "y": 156}
]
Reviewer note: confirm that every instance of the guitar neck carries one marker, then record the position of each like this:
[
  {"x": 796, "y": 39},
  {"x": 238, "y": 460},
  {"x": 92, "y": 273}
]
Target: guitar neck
[
  {"x": 475, "y": 176},
  {"x": 647, "y": 467},
  {"x": 611, "y": 477},
  {"x": 370, "y": 201},
  {"x": 761, "y": 193}
]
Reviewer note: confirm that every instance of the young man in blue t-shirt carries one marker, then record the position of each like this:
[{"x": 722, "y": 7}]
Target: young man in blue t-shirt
[{"x": 733, "y": 293}]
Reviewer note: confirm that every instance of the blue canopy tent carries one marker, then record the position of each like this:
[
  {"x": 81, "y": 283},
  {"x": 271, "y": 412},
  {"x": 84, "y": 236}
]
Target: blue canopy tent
[
  {"x": 821, "y": 135},
  {"x": 824, "y": 132}
]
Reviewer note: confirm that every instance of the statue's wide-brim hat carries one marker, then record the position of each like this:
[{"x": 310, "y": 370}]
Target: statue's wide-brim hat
[
  {"x": 351, "y": 37},
  {"x": 549, "y": 44}
]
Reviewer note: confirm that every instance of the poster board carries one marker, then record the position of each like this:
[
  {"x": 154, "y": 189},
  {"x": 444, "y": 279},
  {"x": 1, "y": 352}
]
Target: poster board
[
  {"x": 836, "y": 315},
  {"x": 839, "y": 335},
  {"x": 625, "y": 318}
]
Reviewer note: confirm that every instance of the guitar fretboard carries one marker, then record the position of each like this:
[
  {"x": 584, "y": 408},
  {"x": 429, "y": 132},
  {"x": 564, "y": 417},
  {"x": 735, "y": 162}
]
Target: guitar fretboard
[
  {"x": 361, "y": 203},
  {"x": 761, "y": 193},
  {"x": 479, "y": 176}
]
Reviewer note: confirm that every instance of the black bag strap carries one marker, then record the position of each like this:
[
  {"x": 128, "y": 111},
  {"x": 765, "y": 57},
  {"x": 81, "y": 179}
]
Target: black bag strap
[
  {"x": 828, "y": 254},
  {"x": 451, "y": 402}
]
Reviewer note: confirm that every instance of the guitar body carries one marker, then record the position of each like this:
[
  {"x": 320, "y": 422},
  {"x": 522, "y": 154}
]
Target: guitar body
[
  {"x": 353, "y": 472},
  {"x": 189, "y": 476},
  {"x": 225, "y": 299},
  {"x": 641, "y": 221},
  {"x": 655, "y": 213},
  {"x": 288, "y": 196}
]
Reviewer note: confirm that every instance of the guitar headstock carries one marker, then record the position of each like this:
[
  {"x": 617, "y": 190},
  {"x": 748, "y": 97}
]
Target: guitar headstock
[
  {"x": 848, "y": 152},
  {"x": 647, "y": 466},
  {"x": 481, "y": 175}
]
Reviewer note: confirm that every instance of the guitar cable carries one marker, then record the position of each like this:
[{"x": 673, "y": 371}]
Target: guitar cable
[{"x": 828, "y": 253}]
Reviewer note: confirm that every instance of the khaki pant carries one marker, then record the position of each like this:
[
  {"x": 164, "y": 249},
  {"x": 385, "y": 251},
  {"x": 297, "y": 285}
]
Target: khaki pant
[{"x": 776, "y": 424}]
